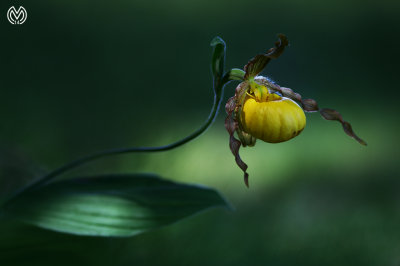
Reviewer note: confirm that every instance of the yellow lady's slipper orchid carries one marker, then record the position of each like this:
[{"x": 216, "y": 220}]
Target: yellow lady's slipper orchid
[{"x": 261, "y": 109}]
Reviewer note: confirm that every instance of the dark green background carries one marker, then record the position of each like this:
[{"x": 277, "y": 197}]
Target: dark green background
[{"x": 83, "y": 76}]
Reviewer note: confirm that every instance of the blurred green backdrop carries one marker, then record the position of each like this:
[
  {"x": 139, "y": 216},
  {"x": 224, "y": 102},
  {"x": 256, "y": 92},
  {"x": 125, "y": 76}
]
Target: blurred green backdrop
[{"x": 84, "y": 76}]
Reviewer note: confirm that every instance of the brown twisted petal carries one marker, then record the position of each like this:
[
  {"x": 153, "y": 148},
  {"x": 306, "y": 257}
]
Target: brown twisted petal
[
  {"x": 330, "y": 114},
  {"x": 309, "y": 105},
  {"x": 258, "y": 63},
  {"x": 241, "y": 89},
  {"x": 234, "y": 144},
  {"x": 231, "y": 126},
  {"x": 230, "y": 105},
  {"x": 287, "y": 92}
]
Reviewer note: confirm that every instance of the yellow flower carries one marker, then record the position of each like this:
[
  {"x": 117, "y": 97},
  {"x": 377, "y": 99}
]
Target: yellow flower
[{"x": 270, "y": 117}]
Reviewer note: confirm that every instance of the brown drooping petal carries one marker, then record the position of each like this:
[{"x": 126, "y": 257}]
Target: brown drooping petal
[
  {"x": 234, "y": 144},
  {"x": 309, "y": 105},
  {"x": 231, "y": 126},
  {"x": 230, "y": 105},
  {"x": 330, "y": 114},
  {"x": 287, "y": 92},
  {"x": 280, "y": 45},
  {"x": 258, "y": 63}
]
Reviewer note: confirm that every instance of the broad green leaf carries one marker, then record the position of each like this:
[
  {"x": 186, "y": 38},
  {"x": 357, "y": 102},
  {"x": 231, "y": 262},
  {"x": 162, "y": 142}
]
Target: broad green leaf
[{"x": 112, "y": 205}]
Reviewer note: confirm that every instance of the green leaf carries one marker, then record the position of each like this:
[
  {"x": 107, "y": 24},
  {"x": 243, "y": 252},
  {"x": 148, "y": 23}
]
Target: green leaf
[
  {"x": 112, "y": 205},
  {"x": 218, "y": 58}
]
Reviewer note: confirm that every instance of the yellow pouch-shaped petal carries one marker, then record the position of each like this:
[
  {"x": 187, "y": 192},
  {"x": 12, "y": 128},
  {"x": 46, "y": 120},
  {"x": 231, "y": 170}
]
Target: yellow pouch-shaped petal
[{"x": 272, "y": 121}]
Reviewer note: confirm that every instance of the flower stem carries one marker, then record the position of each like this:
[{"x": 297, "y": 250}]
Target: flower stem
[{"x": 91, "y": 157}]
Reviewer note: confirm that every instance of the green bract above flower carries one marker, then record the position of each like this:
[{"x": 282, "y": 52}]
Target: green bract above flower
[{"x": 261, "y": 109}]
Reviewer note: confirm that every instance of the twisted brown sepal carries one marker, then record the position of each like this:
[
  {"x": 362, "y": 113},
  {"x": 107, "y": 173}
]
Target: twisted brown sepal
[
  {"x": 330, "y": 114},
  {"x": 231, "y": 126},
  {"x": 258, "y": 63},
  {"x": 309, "y": 105}
]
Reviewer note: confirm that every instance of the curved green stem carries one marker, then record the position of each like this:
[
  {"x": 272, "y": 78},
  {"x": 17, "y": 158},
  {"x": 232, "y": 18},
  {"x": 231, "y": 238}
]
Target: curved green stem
[
  {"x": 98, "y": 155},
  {"x": 219, "y": 85}
]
